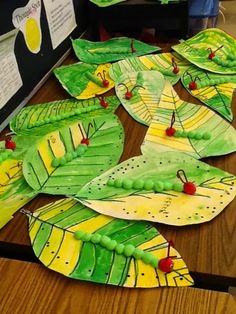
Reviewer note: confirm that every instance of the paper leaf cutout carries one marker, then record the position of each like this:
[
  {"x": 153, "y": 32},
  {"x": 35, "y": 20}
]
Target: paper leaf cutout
[
  {"x": 44, "y": 118},
  {"x": 111, "y": 50},
  {"x": 105, "y": 147},
  {"x": 52, "y": 229},
  {"x": 188, "y": 117},
  {"x": 105, "y": 3},
  {"x": 214, "y": 90},
  {"x": 215, "y": 190},
  {"x": 14, "y": 191},
  {"x": 197, "y": 49},
  {"x": 83, "y": 81},
  {"x": 143, "y": 104},
  {"x": 161, "y": 62}
]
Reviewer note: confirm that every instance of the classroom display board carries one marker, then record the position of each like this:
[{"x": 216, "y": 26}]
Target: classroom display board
[{"x": 34, "y": 37}]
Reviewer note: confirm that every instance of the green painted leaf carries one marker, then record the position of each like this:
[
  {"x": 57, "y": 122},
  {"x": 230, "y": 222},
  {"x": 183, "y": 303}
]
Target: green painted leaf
[
  {"x": 196, "y": 51},
  {"x": 146, "y": 96},
  {"x": 111, "y": 50},
  {"x": 52, "y": 231},
  {"x": 105, "y": 147},
  {"x": 131, "y": 190},
  {"x": 84, "y": 81},
  {"x": 161, "y": 62},
  {"x": 106, "y": 3},
  {"x": 41, "y": 119},
  {"x": 188, "y": 117},
  {"x": 214, "y": 90},
  {"x": 14, "y": 191}
]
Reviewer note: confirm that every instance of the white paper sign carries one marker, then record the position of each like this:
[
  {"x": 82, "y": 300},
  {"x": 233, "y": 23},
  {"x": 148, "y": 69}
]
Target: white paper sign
[
  {"x": 10, "y": 79},
  {"x": 61, "y": 19},
  {"x": 27, "y": 20}
]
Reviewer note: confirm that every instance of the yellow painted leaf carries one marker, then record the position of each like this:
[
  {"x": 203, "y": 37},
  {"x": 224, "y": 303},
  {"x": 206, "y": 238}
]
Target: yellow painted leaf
[
  {"x": 146, "y": 88},
  {"x": 84, "y": 81},
  {"x": 14, "y": 191},
  {"x": 188, "y": 117},
  {"x": 54, "y": 229},
  {"x": 161, "y": 62},
  {"x": 147, "y": 188},
  {"x": 197, "y": 49},
  {"x": 214, "y": 90}
]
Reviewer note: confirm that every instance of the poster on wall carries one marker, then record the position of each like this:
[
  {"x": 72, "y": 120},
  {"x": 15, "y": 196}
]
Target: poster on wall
[
  {"x": 10, "y": 79},
  {"x": 61, "y": 20}
]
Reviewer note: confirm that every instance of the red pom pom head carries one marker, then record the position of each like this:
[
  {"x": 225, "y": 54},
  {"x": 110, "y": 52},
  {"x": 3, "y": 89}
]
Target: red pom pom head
[
  {"x": 189, "y": 188},
  {"x": 192, "y": 85},
  {"x": 128, "y": 95},
  {"x": 105, "y": 83},
  {"x": 9, "y": 144},
  {"x": 166, "y": 264},
  {"x": 85, "y": 141},
  {"x": 170, "y": 131}
]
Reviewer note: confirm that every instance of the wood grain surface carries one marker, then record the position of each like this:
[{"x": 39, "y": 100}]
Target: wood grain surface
[
  {"x": 32, "y": 288},
  {"x": 208, "y": 249}
]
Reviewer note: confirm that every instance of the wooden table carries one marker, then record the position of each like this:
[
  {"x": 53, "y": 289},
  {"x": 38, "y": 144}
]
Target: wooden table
[
  {"x": 31, "y": 288},
  {"x": 208, "y": 249}
]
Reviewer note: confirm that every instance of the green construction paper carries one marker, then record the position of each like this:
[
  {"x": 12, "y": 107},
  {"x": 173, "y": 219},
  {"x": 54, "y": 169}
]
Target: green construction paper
[
  {"x": 215, "y": 189},
  {"x": 53, "y": 229},
  {"x": 111, "y": 50},
  {"x": 76, "y": 79},
  {"x": 188, "y": 117},
  {"x": 27, "y": 120},
  {"x": 159, "y": 62},
  {"x": 195, "y": 50},
  {"x": 105, "y": 147},
  {"x": 214, "y": 90},
  {"x": 143, "y": 105}
]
